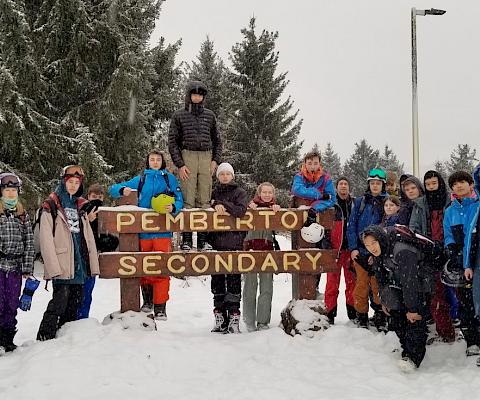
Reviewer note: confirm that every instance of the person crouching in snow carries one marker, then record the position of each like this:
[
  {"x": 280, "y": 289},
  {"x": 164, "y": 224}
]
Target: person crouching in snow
[
  {"x": 256, "y": 314},
  {"x": 68, "y": 251},
  {"x": 227, "y": 199},
  {"x": 152, "y": 186},
  {"x": 16, "y": 256},
  {"x": 397, "y": 267}
]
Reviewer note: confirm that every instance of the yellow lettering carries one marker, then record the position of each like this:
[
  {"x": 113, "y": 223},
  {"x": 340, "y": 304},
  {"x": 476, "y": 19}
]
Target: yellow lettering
[
  {"x": 198, "y": 220},
  {"x": 171, "y": 268},
  {"x": 124, "y": 219},
  {"x": 269, "y": 262},
  {"x": 219, "y": 222},
  {"x": 314, "y": 259},
  {"x": 127, "y": 269},
  {"x": 206, "y": 264},
  {"x": 172, "y": 220},
  {"x": 243, "y": 256},
  {"x": 246, "y": 220},
  {"x": 291, "y": 263},
  {"x": 284, "y": 220},
  {"x": 150, "y": 262},
  {"x": 147, "y": 218},
  {"x": 267, "y": 214},
  {"x": 220, "y": 262}
]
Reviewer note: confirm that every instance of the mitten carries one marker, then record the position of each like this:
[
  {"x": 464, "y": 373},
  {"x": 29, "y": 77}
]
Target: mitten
[{"x": 31, "y": 284}]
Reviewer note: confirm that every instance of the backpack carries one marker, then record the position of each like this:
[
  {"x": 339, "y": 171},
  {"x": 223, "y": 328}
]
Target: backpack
[{"x": 36, "y": 225}]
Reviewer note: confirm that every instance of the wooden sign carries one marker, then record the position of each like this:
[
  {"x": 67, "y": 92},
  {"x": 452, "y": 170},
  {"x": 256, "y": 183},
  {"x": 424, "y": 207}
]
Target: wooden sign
[
  {"x": 129, "y": 220},
  {"x": 138, "y": 264}
]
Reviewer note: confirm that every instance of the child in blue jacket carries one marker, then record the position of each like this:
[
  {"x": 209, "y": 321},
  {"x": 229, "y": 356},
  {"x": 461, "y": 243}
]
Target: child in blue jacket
[{"x": 155, "y": 180}]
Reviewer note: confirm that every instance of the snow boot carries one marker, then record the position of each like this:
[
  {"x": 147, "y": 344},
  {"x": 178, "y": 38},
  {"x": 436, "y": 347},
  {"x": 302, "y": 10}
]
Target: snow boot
[
  {"x": 234, "y": 322},
  {"x": 147, "y": 294},
  {"x": 406, "y": 365},
  {"x": 380, "y": 321},
  {"x": 202, "y": 244},
  {"x": 331, "y": 316},
  {"x": 473, "y": 350},
  {"x": 8, "y": 335},
  {"x": 351, "y": 312},
  {"x": 160, "y": 311},
  {"x": 220, "y": 320},
  {"x": 187, "y": 241},
  {"x": 362, "y": 319}
]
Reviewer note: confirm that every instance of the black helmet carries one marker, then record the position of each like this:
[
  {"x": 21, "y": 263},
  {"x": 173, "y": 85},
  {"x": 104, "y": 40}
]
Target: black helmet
[{"x": 453, "y": 277}]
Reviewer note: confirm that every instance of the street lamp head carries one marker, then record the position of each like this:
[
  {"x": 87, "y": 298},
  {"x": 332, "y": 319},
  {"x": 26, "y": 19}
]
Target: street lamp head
[{"x": 434, "y": 11}]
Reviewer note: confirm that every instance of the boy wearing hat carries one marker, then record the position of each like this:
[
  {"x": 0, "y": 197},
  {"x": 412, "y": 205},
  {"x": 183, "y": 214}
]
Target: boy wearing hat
[
  {"x": 68, "y": 250},
  {"x": 195, "y": 146},
  {"x": 367, "y": 210},
  {"x": 227, "y": 199}
]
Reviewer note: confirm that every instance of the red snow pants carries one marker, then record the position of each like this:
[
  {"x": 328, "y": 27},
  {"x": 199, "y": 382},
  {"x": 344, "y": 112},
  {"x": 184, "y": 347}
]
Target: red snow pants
[
  {"x": 440, "y": 309},
  {"x": 333, "y": 282},
  {"x": 161, "y": 284}
]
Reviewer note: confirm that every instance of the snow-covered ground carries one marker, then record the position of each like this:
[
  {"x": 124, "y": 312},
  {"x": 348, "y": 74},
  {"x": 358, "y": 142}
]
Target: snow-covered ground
[{"x": 183, "y": 360}]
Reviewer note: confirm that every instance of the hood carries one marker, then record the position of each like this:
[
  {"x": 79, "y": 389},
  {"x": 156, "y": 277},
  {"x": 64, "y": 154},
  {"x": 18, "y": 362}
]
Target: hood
[
  {"x": 380, "y": 234},
  {"x": 476, "y": 178},
  {"x": 194, "y": 86},
  {"x": 437, "y": 199},
  {"x": 410, "y": 178},
  {"x": 61, "y": 190}
]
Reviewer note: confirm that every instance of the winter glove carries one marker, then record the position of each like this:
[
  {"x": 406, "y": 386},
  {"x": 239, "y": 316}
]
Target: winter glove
[
  {"x": 311, "y": 218},
  {"x": 31, "y": 284},
  {"x": 107, "y": 242},
  {"x": 455, "y": 256}
]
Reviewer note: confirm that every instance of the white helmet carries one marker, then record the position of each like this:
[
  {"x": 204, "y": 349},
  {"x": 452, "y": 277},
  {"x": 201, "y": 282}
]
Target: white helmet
[{"x": 313, "y": 233}]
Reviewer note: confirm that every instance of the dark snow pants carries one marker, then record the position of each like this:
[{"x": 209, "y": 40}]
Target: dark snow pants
[
  {"x": 469, "y": 324},
  {"x": 62, "y": 308},
  {"x": 10, "y": 286},
  {"x": 412, "y": 336},
  {"x": 226, "y": 291}
]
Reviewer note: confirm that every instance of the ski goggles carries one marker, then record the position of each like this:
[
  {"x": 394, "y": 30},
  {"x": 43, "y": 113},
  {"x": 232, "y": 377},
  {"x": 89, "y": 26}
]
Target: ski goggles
[
  {"x": 10, "y": 180},
  {"x": 377, "y": 174},
  {"x": 73, "y": 170}
]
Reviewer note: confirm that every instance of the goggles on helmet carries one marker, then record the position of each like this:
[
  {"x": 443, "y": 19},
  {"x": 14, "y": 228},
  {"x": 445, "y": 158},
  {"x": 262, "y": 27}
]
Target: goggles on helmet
[
  {"x": 10, "y": 180},
  {"x": 73, "y": 170},
  {"x": 377, "y": 173}
]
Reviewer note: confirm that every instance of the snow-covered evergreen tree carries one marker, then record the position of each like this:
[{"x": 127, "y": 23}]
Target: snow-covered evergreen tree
[
  {"x": 462, "y": 158},
  {"x": 388, "y": 161},
  {"x": 331, "y": 162},
  {"x": 356, "y": 168},
  {"x": 264, "y": 133},
  {"x": 441, "y": 169}
]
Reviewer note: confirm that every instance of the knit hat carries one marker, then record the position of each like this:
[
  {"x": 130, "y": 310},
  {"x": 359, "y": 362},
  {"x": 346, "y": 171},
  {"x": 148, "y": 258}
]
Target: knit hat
[{"x": 225, "y": 166}]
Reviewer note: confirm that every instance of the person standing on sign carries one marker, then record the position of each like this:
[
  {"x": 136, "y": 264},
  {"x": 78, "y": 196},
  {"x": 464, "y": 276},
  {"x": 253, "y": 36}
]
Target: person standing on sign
[
  {"x": 158, "y": 189},
  {"x": 195, "y": 146},
  {"x": 227, "y": 199},
  {"x": 312, "y": 187}
]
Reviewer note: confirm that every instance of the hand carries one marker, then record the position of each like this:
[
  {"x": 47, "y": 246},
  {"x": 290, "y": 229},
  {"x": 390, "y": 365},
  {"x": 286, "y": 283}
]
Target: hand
[
  {"x": 468, "y": 274},
  {"x": 385, "y": 310},
  {"x": 354, "y": 254},
  {"x": 213, "y": 167},
  {"x": 276, "y": 208},
  {"x": 169, "y": 208},
  {"x": 412, "y": 317},
  {"x": 219, "y": 208},
  {"x": 126, "y": 191},
  {"x": 253, "y": 205},
  {"x": 92, "y": 216},
  {"x": 184, "y": 173},
  {"x": 370, "y": 260},
  {"x": 26, "y": 276}
]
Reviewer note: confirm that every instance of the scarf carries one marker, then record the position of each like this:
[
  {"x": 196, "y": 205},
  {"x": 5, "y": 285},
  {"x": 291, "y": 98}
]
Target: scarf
[
  {"x": 10, "y": 204},
  {"x": 311, "y": 176}
]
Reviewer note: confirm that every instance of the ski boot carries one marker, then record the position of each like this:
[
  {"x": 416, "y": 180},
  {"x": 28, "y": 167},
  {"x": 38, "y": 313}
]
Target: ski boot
[
  {"x": 234, "y": 322},
  {"x": 160, "y": 312},
  {"x": 362, "y": 319},
  {"x": 147, "y": 294},
  {"x": 202, "y": 244},
  {"x": 220, "y": 321},
  {"x": 186, "y": 241}
]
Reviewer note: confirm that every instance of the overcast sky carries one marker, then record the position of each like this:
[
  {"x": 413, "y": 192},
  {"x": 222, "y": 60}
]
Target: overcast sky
[{"x": 349, "y": 66}]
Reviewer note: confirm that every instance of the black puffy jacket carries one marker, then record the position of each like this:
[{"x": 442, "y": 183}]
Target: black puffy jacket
[
  {"x": 194, "y": 128},
  {"x": 235, "y": 201}
]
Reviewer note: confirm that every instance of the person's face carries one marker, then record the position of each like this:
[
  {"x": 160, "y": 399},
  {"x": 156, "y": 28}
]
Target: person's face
[
  {"x": 411, "y": 190},
  {"x": 95, "y": 196},
  {"x": 372, "y": 245},
  {"x": 313, "y": 164},
  {"x": 10, "y": 193},
  {"x": 462, "y": 189},
  {"x": 266, "y": 193},
  {"x": 375, "y": 186},
  {"x": 431, "y": 184},
  {"x": 72, "y": 185},
  {"x": 196, "y": 98},
  {"x": 343, "y": 188},
  {"x": 391, "y": 187},
  {"x": 155, "y": 161},
  {"x": 225, "y": 177},
  {"x": 390, "y": 207}
]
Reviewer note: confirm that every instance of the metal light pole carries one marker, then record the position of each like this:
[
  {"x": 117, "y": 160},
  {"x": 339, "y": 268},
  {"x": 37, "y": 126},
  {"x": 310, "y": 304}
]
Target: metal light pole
[{"x": 415, "y": 12}]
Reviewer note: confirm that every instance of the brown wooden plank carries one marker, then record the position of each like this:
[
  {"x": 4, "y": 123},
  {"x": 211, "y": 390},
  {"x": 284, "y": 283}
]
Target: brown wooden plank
[
  {"x": 114, "y": 220},
  {"x": 138, "y": 264}
]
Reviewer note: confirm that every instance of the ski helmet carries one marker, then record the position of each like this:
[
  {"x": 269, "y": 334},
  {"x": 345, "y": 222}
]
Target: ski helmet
[
  {"x": 453, "y": 277},
  {"x": 377, "y": 173},
  {"x": 313, "y": 233},
  {"x": 159, "y": 202},
  {"x": 10, "y": 180}
]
